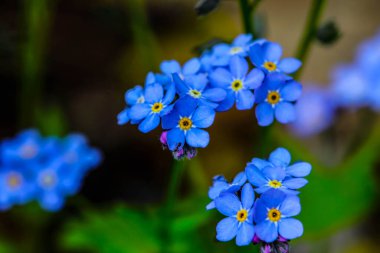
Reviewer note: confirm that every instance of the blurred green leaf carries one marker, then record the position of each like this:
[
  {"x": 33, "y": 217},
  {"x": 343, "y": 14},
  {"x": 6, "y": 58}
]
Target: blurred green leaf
[
  {"x": 51, "y": 120},
  {"x": 336, "y": 197}
]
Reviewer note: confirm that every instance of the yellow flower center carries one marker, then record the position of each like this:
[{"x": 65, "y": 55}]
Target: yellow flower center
[
  {"x": 195, "y": 93},
  {"x": 242, "y": 215},
  {"x": 157, "y": 107},
  {"x": 237, "y": 85},
  {"x": 274, "y": 215},
  {"x": 185, "y": 124},
  {"x": 270, "y": 66},
  {"x": 236, "y": 50},
  {"x": 273, "y": 97},
  {"x": 14, "y": 180},
  {"x": 275, "y": 184}
]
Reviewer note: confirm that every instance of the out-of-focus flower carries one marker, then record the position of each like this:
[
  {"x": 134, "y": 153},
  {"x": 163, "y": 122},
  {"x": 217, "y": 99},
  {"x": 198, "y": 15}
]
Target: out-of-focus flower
[
  {"x": 239, "y": 222},
  {"x": 238, "y": 83}
]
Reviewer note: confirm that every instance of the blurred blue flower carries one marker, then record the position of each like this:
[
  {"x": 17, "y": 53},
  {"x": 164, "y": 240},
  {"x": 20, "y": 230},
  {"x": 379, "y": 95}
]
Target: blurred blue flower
[
  {"x": 154, "y": 107},
  {"x": 273, "y": 214},
  {"x": 239, "y": 222},
  {"x": 275, "y": 99},
  {"x": 238, "y": 83},
  {"x": 185, "y": 124},
  {"x": 195, "y": 87},
  {"x": 267, "y": 56},
  {"x": 315, "y": 111},
  {"x": 220, "y": 186}
]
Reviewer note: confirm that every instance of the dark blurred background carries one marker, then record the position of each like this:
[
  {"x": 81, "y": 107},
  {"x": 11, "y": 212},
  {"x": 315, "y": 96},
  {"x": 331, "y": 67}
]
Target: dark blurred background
[{"x": 83, "y": 55}]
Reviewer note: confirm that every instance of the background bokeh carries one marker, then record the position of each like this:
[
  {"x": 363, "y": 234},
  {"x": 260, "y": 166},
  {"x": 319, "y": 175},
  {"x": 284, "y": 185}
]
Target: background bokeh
[{"x": 79, "y": 58}]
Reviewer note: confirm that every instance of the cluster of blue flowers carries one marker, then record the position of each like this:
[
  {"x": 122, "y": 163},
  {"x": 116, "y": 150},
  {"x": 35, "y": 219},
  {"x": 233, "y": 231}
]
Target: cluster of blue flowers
[
  {"x": 184, "y": 99},
  {"x": 44, "y": 169},
  {"x": 261, "y": 202},
  {"x": 353, "y": 86}
]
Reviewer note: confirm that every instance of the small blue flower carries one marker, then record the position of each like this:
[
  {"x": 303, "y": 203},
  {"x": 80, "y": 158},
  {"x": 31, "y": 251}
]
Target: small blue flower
[
  {"x": 239, "y": 222},
  {"x": 275, "y": 99},
  {"x": 195, "y": 87},
  {"x": 220, "y": 186},
  {"x": 238, "y": 83},
  {"x": 154, "y": 107},
  {"x": 267, "y": 56},
  {"x": 315, "y": 111},
  {"x": 281, "y": 157},
  {"x": 185, "y": 124},
  {"x": 273, "y": 214}
]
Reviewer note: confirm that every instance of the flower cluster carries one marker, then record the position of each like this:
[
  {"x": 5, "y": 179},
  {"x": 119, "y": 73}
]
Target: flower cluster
[
  {"x": 184, "y": 99},
  {"x": 353, "y": 86},
  {"x": 43, "y": 169},
  {"x": 261, "y": 202}
]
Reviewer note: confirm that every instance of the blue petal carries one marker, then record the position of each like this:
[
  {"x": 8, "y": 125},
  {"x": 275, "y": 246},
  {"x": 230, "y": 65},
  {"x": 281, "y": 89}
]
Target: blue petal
[
  {"x": 226, "y": 229},
  {"x": 221, "y": 78},
  {"x": 245, "y": 234},
  {"x": 149, "y": 123},
  {"x": 203, "y": 117},
  {"x": 240, "y": 178},
  {"x": 247, "y": 196},
  {"x": 132, "y": 95},
  {"x": 227, "y": 103},
  {"x": 280, "y": 157},
  {"x": 274, "y": 173},
  {"x": 150, "y": 78},
  {"x": 290, "y": 228},
  {"x": 221, "y": 49},
  {"x": 170, "y": 94},
  {"x": 210, "y": 205},
  {"x": 242, "y": 40},
  {"x": 261, "y": 94},
  {"x": 198, "y": 82},
  {"x": 274, "y": 81},
  {"x": 262, "y": 189},
  {"x": 291, "y": 91},
  {"x": 171, "y": 120},
  {"x": 260, "y": 211},
  {"x": 176, "y": 139},
  {"x": 254, "y": 79},
  {"x": 290, "y": 206},
  {"x": 238, "y": 67},
  {"x": 186, "y": 106},
  {"x": 289, "y": 65},
  {"x": 216, "y": 189},
  {"x": 51, "y": 201},
  {"x": 245, "y": 100},
  {"x": 256, "y": 55},
  {"x": 295, "y": 183},
  {"x": 228, "y": 204},
  {"x": 180, "y": 85},
  {"x": 215, "y": 94},
  {"x": 153, "y": 93},
  {"x": 170, "y": 67},
  {"x": 191, "y": 67},
  {"x": 273, "y": 198},
  {"x": 197, "y": 138},
  {"x": 300, "y": 169},
  {"x": 123, "y": 117},
  {"x": 264, "y": 114},
  {"x": 267, "y": 231},
  {"x": 260, "y": 163},
  {"x": 139, "y": 111},
  {"x": 285, "y": 112},
  {"x": 272, "y": 51},
  {"x": 166, "y": 110},
  {"x": 255, "y": 176}
]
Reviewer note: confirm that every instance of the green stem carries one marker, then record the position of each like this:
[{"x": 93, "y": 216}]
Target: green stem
[
  {"x": 310, "y": 30},
  {"x": 247, "y": 14}
]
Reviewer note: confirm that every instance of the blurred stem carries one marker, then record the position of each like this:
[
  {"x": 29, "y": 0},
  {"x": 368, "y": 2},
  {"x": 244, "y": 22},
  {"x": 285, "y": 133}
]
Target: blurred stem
[
  {"x": 247, "y": 14},
  {"x": 37, "y": 20},
  {"x": 310, "y": 30},
  {"x": 173, "y": 188}
]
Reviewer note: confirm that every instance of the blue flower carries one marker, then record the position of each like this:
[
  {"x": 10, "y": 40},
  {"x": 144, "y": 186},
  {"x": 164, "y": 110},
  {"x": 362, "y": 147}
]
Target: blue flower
[
  {"x": 185, "y": 124},
  {"x": 155, "y": 106},
  {"x": 239, "y": 222},
  {"x": 281, "y": 157},
  {"x": 267, "y": 56},
  {"x": 132, "y": 97},
  {"x": 195, "y": 87},
  {"x": 315, "y": 111},
  {"x": 220, "y": 186},
  {"x": 238, "y": 83},
  {"x": 273, "y": 178},
  {"x": 273, "y": 214},
  {"x": 275, "y": 99}
]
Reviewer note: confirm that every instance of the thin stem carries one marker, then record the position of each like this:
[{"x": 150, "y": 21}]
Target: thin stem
[
  {"x": 247, "y": 14},
  {"x": 310, "y": 30}
]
